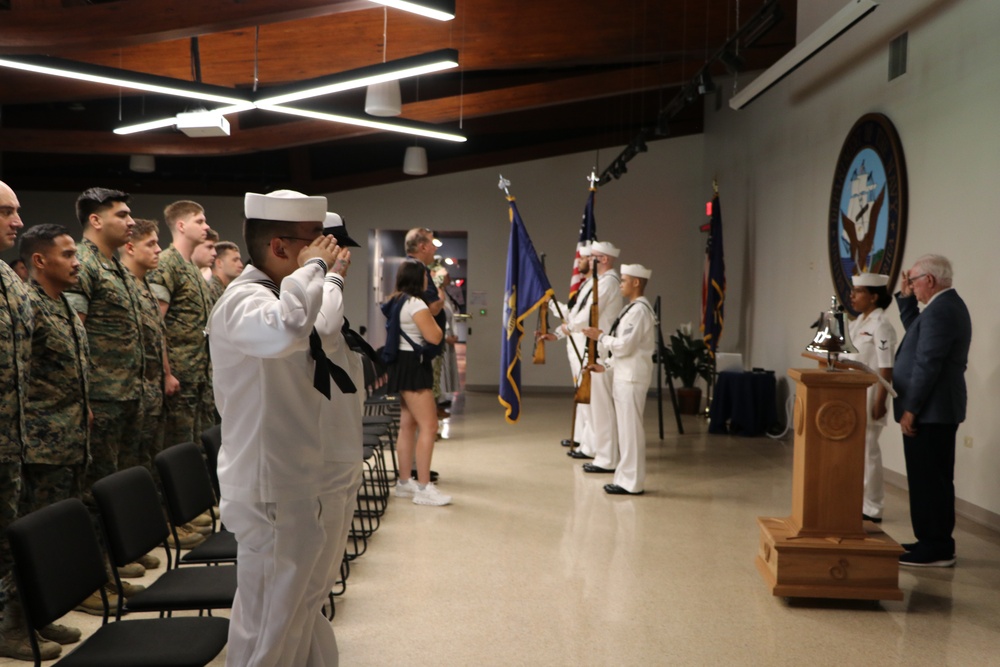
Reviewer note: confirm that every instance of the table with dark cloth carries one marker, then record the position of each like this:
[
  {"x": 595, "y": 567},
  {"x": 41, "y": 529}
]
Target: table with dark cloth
[{"x": 743, "y": 403}]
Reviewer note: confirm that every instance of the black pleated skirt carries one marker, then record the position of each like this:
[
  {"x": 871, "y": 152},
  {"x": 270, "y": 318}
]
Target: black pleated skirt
[{"x": 408, "y": 374}]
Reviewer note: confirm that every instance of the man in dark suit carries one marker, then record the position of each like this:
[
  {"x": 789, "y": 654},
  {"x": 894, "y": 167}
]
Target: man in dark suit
[{"x": 929, "y": 375}]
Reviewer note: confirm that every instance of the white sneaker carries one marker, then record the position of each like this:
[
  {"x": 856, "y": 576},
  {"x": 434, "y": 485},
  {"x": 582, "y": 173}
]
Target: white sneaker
[
  {"x": 430, "y": 496},
  {"x": 405, "y": 489}
]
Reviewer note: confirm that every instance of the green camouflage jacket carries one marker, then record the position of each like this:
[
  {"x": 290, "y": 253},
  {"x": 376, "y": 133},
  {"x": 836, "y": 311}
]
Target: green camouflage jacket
[
  {"x": 55, "y": 416},
  {"x": 215, "y": 289},
  {"x": 108, "y": 297},
  {"x": 179, "y": 283},
  {"x": 16, "y": 325},
  {"x": 153, "y": 340}
]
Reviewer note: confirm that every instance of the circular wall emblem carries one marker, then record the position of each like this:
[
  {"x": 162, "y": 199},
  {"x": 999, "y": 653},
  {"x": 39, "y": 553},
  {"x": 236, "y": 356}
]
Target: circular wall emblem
[{"x": 867, "y": 217}]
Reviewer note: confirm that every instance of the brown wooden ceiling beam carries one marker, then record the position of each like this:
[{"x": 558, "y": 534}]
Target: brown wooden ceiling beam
[
  {"x": 540, "y": 95},
  {"x": 40, "y": 28}
]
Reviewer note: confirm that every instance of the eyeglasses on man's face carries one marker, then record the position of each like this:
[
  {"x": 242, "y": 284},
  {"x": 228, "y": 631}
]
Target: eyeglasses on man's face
[{"x": 297, "y": 238}]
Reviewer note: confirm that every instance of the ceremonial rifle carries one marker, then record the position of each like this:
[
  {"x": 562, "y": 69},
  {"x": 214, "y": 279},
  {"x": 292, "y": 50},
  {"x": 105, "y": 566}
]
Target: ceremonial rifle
[
  {"x": 542, "y": 326},
  {"x": 583, "y": 388}
]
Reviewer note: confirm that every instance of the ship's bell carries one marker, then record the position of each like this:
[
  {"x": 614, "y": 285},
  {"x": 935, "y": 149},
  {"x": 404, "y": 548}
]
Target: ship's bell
[{"x": 831, "y": 336}]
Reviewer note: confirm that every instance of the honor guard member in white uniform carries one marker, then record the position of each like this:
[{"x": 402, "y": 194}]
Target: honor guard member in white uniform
[
  {"x": 629, "y": 343},
  {"x": 582, "y": 419},
  {"x": 285, "y": 480},
  {"x": 875, "y": 339},
  {"x": 600, "y": 440}
]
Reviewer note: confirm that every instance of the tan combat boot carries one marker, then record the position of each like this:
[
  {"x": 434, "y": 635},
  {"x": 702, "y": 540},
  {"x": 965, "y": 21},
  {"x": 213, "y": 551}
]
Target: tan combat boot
[{"x": 14, "y": 642}]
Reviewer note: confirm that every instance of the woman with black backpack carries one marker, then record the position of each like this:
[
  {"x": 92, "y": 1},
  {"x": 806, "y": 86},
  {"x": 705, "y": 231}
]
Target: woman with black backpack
[{"x": 412, "y": 339}]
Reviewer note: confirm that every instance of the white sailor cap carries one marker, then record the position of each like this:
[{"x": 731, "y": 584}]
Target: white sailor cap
[
  {"x": 284, "y": 206},
  {"x": 870, "y": 280},
  {"x": 335, "y": 225},
  {"x": 584, "y": 250},
  {"x": 605, "y": 248},
  {"x": 635, "y": 270}
]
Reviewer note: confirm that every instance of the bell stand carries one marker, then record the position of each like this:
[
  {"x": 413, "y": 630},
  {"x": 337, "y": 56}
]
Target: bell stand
[{"x": 824, "y": 549}]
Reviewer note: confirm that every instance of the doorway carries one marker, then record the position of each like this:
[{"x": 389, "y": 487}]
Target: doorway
[{"x": 386, "y": 251}]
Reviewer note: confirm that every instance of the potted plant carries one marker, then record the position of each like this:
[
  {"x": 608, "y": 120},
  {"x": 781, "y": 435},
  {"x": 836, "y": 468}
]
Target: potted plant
[{"x": 687, "y": 359}]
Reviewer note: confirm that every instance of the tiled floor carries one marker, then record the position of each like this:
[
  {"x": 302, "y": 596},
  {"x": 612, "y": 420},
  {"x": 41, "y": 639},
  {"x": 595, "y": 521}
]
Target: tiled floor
[{"x": 534, "y": 564}]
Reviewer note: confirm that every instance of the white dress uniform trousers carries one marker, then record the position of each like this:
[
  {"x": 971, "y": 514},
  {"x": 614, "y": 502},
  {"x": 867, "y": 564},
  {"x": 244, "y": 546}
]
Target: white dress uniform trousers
[
  {"x": 630, "y": 346},
  {"x": 581, "y": 420},
  {"x": 600, "y": 439},
  {"x": 876, "y": 342}
]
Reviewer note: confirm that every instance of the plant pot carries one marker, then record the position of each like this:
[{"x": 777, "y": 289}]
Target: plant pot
[{"x": 689, "y": 400}]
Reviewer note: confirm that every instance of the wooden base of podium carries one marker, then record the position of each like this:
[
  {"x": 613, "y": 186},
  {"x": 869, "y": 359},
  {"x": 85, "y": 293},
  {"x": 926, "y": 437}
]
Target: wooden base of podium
[{"x": 828, "y": 567}]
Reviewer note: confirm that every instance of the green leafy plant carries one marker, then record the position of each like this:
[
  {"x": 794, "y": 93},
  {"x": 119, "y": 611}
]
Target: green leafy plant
[{"x": 687, "y": 358}]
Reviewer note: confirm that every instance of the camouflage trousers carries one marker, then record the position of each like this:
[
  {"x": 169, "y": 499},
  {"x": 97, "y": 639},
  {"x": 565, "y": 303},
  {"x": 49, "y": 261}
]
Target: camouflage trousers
[
  {"x": 438, "y": 365},
  {"x": 184, "y": 412},
  {"x": 115, "y": 438},
  {"x": 44, "y": 484},
  {"x": 10, "y": 495},
  {"x": 150, "y": 442},
  {"x": 209, "y": 415}
]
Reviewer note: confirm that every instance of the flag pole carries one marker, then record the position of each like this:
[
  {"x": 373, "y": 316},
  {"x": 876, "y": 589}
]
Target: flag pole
[
  {"x": 504, "y": 185},
  {"x": 661, "y": 367}
]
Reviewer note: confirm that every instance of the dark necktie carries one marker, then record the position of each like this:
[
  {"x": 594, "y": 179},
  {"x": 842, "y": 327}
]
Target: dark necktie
[{"x": 325, "y": 368}]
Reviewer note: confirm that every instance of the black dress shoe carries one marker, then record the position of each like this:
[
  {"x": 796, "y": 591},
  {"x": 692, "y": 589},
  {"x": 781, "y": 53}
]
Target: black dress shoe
[
  {"x": 569, "y": 443},
  {"x": 434, "y": 475},
  {"x": 616, "y": 490},
  {"x": 590, "y": 467},
  {"x": 577, "y": 454},
  {"x": 873, "y": 519}
]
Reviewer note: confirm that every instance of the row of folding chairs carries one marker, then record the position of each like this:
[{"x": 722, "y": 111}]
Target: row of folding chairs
[
  {"x": 59, "y": 562},
  {"x": 379, "y": 473}
]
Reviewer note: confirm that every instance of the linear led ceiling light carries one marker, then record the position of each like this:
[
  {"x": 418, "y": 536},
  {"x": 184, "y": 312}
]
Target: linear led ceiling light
[
  {"x": 442, "y": 10},
  {"x": 111, "y": 76},
  {"x": 273, "y": 98},
  {"x": 404, "y": 127},
  {"x": 425, "y": 63},
  {"x": 804, "y": 50}
]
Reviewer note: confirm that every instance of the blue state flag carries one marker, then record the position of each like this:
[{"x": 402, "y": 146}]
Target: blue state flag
[
  {"x": 714, "y": 285},
  {"x": 527, "y": 288}
]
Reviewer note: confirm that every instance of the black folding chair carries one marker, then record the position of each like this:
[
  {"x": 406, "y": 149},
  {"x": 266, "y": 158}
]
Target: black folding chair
[
  {"x": 211, "y": 441},
  {"x": 187, "y": 492},
  {"x": 58, "y": 564},
  {"x": 133, "y": 524}
]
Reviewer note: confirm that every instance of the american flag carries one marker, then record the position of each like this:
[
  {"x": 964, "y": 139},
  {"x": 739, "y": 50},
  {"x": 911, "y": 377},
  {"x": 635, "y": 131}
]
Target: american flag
[{"x": 588, "y": 234}]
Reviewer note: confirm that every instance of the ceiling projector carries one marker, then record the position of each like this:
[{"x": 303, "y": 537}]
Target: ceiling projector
[{"x": 203, "y": 124}]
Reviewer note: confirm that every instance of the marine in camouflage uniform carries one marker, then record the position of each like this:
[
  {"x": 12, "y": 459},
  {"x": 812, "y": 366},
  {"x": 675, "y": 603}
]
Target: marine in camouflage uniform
[
  {"x": 179, "y": 283},
  {"x": 56, "y": 415},
  {"x": 153, "y": 406},
  {"x": 16, "y": 325},
  {"x": 215, "y": 289},
  {"x": 107, "y": 296}
]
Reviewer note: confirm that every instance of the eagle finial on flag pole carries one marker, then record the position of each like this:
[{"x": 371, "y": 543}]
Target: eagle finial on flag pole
[
  {"x": 504, "y": 185},
  {"x": 592, "y": 179}
]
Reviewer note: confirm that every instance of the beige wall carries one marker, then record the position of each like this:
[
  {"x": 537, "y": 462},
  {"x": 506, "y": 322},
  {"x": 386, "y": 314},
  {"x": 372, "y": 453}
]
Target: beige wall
[
  {"x": 776, "y": 158},
  {"x": 652, "y": 214}
]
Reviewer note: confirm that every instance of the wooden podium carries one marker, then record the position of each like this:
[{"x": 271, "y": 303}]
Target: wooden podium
[{"x": 825, "y": 549}]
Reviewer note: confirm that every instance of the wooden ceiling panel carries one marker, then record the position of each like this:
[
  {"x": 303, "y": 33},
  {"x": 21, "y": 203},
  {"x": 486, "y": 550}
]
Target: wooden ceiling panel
[{"x": 545, "y": 74}]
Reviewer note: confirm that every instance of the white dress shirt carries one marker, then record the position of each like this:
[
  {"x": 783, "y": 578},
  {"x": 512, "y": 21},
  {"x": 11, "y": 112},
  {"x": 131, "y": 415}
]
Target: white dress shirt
[
  {"x": 275, "y": 424},
  {"x": 632, "y": 344}
]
